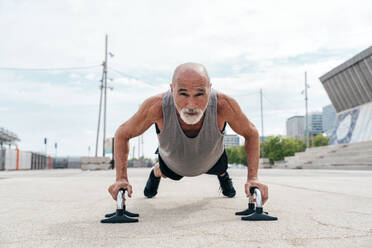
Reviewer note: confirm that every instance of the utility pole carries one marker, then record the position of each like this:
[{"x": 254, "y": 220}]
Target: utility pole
[
  {"x": 103, "y": 89},
  {"x": 105, "y": 97},
  {"x": 55, "y": 147},
  {"x": 99, "y": 114},
  {"x": 262, "y": 126},
  {"x": 46, "y": 146},
  {"x": 306, "y": 119},
  {"x": 139, "y": 146},
  {"x": 143, "y": 150}
]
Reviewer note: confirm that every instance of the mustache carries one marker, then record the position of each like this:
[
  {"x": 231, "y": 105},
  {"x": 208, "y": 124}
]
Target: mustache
[{"x": 192, "y": 111}]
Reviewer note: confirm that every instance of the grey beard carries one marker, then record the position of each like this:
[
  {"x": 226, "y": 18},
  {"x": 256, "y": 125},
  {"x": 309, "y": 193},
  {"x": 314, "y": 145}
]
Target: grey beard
[{"x": 191, "y": 119}]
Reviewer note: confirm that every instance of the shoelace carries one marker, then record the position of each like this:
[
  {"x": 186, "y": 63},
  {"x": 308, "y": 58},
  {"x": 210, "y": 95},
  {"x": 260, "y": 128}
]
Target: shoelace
[
  {"x": 219, "y": 191},
  {"x": 226, "y": 183}
]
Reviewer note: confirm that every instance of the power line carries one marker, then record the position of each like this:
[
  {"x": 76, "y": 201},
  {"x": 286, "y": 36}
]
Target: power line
[
  {"x": 246, "y": 94},
  {"x": 133, "y": 78},
  {"x": 48, "y": 69},
  {"x": 128, "y": 76},
  {"x": 123, "y": 74},
  {"x": 268, "y": 100},
  {"x": 273, "y": 104},
  {"x": 278, "y": 108}
]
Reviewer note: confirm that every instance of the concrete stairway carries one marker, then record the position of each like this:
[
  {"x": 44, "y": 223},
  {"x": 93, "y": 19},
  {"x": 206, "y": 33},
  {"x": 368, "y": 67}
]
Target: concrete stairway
[{"x": 341, "y": 156}]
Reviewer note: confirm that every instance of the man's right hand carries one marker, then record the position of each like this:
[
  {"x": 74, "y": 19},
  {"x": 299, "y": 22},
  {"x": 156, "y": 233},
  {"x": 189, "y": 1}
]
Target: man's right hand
[{"x": 113, "y": 189}]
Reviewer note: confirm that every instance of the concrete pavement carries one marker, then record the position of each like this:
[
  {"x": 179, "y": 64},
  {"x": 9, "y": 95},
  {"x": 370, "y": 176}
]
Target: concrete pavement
[{"x": 62, "y": 208}]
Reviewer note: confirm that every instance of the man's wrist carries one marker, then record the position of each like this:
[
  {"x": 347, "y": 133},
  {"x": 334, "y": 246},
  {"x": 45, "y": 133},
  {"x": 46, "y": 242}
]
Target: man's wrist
[
  {"x": 252, "y": 178},
  {"x": 122, "y": 179}
]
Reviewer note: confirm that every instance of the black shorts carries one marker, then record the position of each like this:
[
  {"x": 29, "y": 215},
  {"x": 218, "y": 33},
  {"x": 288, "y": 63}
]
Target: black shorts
[{"x": 219, "y": 168}]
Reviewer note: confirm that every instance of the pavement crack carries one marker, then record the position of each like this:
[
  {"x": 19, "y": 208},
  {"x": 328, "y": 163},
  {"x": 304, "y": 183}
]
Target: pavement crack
[
  {"x": 337, "y": 226},
  {"x": 357, "y": 212}
]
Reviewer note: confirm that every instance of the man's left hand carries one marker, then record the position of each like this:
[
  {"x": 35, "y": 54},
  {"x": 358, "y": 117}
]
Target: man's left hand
[{"x": 262, "y": 187}]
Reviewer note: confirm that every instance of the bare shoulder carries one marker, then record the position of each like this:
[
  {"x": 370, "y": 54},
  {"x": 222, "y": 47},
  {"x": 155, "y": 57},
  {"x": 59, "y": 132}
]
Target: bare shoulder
[
  {"x": 226, "y": 105},
  {"x": 229, "y": 110},
  {"x": 153, "y": 106}
]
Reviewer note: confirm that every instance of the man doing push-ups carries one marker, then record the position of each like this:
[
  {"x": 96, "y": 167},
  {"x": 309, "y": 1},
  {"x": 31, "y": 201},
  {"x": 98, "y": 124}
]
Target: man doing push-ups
[{"x": 190, "y": 119}]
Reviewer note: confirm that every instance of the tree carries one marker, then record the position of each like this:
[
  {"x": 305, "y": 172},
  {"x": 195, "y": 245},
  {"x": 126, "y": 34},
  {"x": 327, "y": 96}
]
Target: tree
[
  {"x": 242, "y": 156},
  {"x": 236, "y": 155},
  {"x": 320, "y": 140},
  {"x": 278, "y": 147},
  {"x": 231, "y": 155},
  {"x": 274, "y": 148}
]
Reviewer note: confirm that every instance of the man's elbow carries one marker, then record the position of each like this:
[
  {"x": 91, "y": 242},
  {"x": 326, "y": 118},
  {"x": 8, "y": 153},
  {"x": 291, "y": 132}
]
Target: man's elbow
[
  {"x": 121, "y": 133},
  {"x": 253, "y": 135}
]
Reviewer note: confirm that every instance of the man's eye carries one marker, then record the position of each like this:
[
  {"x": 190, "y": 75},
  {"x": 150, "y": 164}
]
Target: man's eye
[
  {"x": 199, "y": 94},
  {"x": 183, "y": 94}
]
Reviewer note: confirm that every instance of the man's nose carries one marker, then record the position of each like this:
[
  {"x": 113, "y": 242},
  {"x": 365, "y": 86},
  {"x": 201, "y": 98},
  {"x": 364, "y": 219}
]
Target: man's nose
[{"x": 191, "y": 104}]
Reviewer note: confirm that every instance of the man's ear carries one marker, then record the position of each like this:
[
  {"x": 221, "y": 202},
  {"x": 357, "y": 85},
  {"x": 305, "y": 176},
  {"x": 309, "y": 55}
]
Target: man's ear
[
  {"x": 209, "y": 88},
  {"x": 171, "y": 86}
]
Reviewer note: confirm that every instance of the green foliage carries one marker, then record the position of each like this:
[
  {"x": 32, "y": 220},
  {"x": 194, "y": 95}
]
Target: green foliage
[
  {"x": 320, "y": 140},
  {"x": 242, "y": 156},
  {"x": 236, "y": 155},
  {"x": 278, "y": 147},
  {"x": 275, "y": 148}
]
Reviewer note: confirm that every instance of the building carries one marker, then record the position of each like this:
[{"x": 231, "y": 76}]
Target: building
[
  {"x": 231, "y": 140},
  {"x": 295, "y": 126},
  {"x": 7, "y": 137},
  {"x": 329, "y": 118},
  {"x": 349, "y": 87},
  {"x": 315, "y": 120}
]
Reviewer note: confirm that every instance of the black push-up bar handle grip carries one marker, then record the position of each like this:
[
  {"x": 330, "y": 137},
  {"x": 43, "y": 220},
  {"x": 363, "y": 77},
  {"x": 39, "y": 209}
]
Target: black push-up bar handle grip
[
  {"x": 251, "y": 189},
  {"x": 255, "y": 190},
  {"x": 119, "y": 199}
]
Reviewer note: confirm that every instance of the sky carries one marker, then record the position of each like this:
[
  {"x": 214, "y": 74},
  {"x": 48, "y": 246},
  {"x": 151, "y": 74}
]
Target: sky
[{"x": 51, "y": 54}]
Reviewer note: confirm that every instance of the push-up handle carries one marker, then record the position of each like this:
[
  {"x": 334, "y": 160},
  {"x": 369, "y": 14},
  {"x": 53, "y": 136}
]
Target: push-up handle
[
  {"x": 121, "y": 214},
  {"x": 255, "y": 209}
]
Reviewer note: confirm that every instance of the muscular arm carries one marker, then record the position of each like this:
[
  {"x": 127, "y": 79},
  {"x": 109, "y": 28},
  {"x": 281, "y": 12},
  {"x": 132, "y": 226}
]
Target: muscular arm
[
  {"x": 149, "y": 112},
  {"x": 242, "y": 126}
]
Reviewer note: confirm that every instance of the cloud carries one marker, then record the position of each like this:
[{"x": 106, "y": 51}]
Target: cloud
[
  {"x": 74, "y": 75},
  {"x": 245, "y": 45},
  {"x": 134, "y": 83}
]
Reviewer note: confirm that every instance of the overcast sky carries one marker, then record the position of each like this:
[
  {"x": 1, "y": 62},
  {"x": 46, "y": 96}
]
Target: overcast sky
[{"x": 245, "y": 45}]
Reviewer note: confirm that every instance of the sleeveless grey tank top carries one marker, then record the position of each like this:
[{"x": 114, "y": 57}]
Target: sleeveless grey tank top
[{"x": 190, "y": 156}]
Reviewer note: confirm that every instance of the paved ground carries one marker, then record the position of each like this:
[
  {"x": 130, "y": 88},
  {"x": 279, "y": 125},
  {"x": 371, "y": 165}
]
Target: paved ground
[{"x": 62, "y": 208}]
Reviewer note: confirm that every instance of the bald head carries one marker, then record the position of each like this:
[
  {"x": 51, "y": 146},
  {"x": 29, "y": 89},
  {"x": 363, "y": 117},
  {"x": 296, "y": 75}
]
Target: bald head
[
  {"x": 191, "y": 90},
  {"x": 189, "y": 72}
]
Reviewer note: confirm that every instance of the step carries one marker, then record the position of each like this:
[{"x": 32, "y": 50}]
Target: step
[{"x": 364, "y": 166}]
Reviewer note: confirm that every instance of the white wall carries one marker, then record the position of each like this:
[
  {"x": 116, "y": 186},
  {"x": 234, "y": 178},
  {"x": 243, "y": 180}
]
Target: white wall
[
  {"x": 10, "y": 159},
  {"x": 24, "y": 160}
]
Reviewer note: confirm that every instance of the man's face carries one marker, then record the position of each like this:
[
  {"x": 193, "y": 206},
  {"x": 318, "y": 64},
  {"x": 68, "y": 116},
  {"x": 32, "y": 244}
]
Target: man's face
[{"x": 191, "y": 94}]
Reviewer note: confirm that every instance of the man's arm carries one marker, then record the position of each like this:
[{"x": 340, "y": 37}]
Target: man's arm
[
  {"x": 149, "y": 112},
  {"x": 241, "y": 125}
]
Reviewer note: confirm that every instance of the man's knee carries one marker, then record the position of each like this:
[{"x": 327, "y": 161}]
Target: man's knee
[{"x": 157, "y": 171}]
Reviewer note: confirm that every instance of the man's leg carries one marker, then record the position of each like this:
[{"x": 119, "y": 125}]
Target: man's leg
[
  {"x": 152, "y": 184},
  {"x": 220, "y": 170},
  {"x": 160, "y": 170},
  {"x": 157, "y": 171}
]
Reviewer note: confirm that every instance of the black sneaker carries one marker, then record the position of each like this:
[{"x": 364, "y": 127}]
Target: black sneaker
[
  {"x": 152, "y": 185},
  {"x": 226, "y": 185}
]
